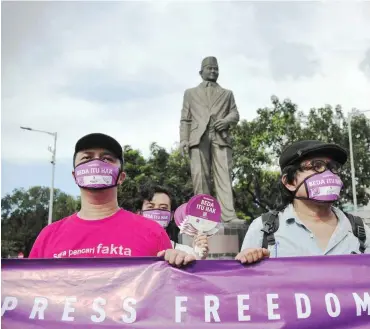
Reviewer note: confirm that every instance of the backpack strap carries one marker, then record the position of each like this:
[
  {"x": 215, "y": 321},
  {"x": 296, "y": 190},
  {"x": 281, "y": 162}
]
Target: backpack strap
[
  {"x": 358, "y": 229},
  {"x": 270, "y": 221}
]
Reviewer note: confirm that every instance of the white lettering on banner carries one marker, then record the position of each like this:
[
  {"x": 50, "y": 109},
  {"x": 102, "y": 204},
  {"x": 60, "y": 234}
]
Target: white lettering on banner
[
  {"x": 271, "y": 306},
  {"x": 298, "y": 301},
  {"x": 211, "y": 305},
  {"x": 98, "y": 302},
  {"x": 68, "y": 309},
  {"x": 127, "y": 306},
  {"x": 9, "y": 304},
  {"x": 39, "y": 306},
  {"x": 242, "y": 307},
  {"x": 179, "y": 308},
  {"x": 362, "y": 304},
  {"x": 100, "y": 249},
  {"x": 332, "y": 297}
]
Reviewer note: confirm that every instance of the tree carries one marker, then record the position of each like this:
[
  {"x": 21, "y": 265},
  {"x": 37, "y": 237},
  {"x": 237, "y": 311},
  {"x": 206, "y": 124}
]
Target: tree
[
  {"x": 137, "y": 172},
  {"x": 167, "y": 169},
  {"x": 259, "y": 143},
  {"x": 25, "y": 212},
  {"x": 257, "y": 146}
]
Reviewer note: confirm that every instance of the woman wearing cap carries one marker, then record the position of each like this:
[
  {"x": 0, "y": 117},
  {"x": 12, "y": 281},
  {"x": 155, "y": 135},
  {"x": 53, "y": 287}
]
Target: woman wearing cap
[
  {"x": 157, "y": 201},
  {"x": 101, "y": 228},
  {"x": 305, "y": 222}
]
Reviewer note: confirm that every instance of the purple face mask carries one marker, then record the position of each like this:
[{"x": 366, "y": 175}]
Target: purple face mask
[
  {"x": 323, "y": 187},
  {"x": 96, "y": 174},
  {"x": 162, "y": 217}
]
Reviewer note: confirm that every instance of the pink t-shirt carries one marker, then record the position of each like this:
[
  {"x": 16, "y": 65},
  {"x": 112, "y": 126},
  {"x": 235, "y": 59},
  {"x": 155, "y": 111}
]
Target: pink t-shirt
[{"x": 123, "y": 234}]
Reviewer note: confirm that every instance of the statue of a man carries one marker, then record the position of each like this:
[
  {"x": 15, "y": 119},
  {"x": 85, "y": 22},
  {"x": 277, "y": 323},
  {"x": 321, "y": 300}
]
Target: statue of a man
[{"x": 207, "y": 114}]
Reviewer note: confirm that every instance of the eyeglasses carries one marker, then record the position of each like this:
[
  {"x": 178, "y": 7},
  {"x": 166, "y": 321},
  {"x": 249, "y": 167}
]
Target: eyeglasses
[{"x": 320, "y": 166}]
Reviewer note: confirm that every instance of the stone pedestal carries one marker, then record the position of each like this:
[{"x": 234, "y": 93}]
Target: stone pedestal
[{"x": 226, "y": 243}]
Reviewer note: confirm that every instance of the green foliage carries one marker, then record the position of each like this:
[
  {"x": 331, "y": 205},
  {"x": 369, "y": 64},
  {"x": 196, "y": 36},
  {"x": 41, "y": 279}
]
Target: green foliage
[
  {"x": 257, "y": 147},
  {"x": 25, "y": 212},
  {"x": 137, "y": 172},
  {"x": 167, "y": 169}
]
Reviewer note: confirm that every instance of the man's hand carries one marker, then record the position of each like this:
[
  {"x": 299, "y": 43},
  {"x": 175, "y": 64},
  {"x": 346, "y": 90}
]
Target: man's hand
[
  {"x": 184, "y": 148},
  {"x": 221, "y": 124},
  {"x": 176, "y": 257},
  {"x": 252, "y": 255},
  {"x": 201, "y": 242}
]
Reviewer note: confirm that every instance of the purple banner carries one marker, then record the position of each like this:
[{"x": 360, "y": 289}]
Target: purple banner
[{"x": 328, "y": 292}]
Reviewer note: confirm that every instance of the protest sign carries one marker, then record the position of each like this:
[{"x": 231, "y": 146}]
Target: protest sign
[
  {"x": 201, "y": 215},
  {"x": 180, "y": 215},
  {"x": 328, "y": 292},
  {"x": 203, "y": 212}
]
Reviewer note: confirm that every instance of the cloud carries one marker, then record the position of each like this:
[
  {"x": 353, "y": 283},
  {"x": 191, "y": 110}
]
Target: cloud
[
  {"x": 122, "y": 67},
  {"x": 293, "y": 60},
  {"x": 365, "y": 64}
]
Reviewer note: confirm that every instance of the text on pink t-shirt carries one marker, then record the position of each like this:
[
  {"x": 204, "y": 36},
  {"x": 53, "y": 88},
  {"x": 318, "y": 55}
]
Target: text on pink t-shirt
[{"x": 123, "y": 234}]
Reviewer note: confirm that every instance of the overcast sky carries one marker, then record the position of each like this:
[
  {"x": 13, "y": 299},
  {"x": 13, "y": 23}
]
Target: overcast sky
[{"x": 122, "y": 68}]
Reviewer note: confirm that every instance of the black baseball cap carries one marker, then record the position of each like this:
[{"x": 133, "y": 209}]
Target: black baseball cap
[
  {"x": 303, "y": 149},
  {"x": 98, "y": 140}
]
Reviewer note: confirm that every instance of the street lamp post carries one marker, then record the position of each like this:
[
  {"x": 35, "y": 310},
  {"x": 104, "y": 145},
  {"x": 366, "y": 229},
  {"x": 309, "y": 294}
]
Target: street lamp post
[
  {"x": 53, "y": 159},
  {"x": 353, "y": 173}
]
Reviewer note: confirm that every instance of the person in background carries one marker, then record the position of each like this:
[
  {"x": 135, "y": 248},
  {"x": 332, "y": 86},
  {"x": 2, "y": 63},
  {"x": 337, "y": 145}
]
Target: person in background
[
  {"x": 101, "y": 228},
  {"x": 306, "y": 223},
  {"x": 154, "y": 198}
]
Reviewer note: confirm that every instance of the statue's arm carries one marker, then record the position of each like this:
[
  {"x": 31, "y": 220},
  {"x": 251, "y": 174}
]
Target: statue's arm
[
  {"x": 233, "y": 116},
  {"x": 185, "y": 121}
]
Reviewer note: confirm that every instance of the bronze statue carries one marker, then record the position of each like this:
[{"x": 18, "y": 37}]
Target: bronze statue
[{"x": 207, "y": 114}]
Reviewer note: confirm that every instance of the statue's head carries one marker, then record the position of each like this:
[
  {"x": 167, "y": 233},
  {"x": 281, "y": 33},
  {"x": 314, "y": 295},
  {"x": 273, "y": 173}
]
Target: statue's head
[{"x": 209, "y": 70}]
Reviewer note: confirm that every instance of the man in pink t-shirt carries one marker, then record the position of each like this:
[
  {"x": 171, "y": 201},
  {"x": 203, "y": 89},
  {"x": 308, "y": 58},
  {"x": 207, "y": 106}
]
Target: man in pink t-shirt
[{"x": 101, "y": 228}]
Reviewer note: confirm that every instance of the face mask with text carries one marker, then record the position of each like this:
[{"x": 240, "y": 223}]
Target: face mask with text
[
  {"x": 161, "y": 216},
  {"x": 96, "y": 174},
  {"x": 322, "y": 187}
]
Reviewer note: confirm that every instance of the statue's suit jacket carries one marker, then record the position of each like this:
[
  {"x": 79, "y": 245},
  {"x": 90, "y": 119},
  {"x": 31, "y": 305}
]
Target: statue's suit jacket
[{"x": 198, "y": 111}]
